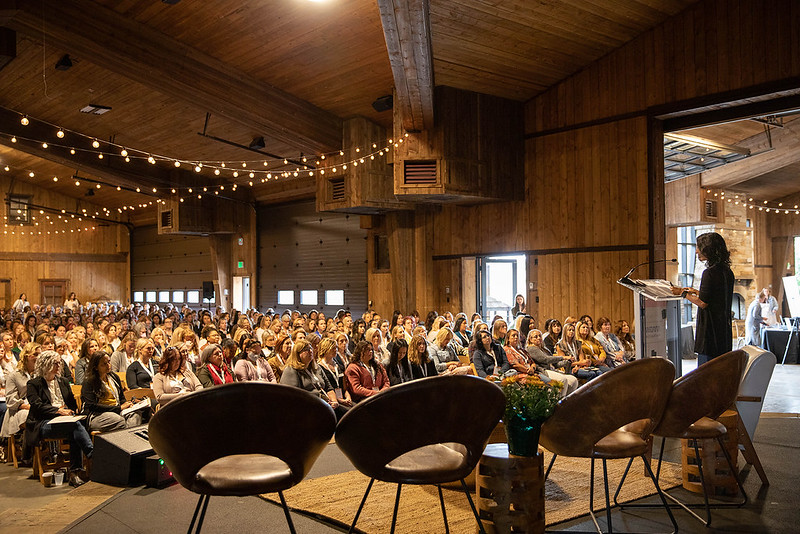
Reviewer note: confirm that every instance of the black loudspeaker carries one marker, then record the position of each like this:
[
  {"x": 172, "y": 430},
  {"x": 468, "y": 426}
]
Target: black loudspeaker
[
  {"x": 383, "y": 103},
  {"x": 208, "y": 290},
  {"x": 118, "y": 457}
]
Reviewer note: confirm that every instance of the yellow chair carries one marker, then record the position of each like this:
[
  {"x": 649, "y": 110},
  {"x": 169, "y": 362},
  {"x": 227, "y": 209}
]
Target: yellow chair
[{"x": 122, "y": 379}]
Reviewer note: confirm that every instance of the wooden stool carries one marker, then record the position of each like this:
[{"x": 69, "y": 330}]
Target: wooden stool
[
  {"x": 43, "y": 462},
  {"x": 718, "y": 477},
  {"x": 510, "y": 491},
  {"x": 11, "y": 456}
]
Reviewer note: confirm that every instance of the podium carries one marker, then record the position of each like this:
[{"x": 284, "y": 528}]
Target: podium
[{"x": 657, "y": 320}]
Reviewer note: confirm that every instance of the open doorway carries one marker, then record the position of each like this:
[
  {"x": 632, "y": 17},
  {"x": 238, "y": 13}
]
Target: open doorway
[{"x": 499, "y": 279}]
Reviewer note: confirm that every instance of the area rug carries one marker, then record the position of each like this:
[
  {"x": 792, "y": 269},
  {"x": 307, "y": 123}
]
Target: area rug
[{"x": 335, "y": 498}]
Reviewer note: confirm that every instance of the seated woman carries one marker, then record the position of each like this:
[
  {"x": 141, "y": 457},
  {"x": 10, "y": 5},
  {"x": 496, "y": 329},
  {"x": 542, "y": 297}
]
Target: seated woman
[
  {"x": 125, "y": 355},
  {"x": 549, "y": 363},
  {"x": 141, "y": 372},
  {"x": 570, "y": 348},
  {"x": 301, "y": 371},
  {"x": 213, "y": 370},
  {"x": 623, "y": 331},
  {"x": 499, "y": 331},
  {"x": 16, "y": 386},
  {"x": 460, "y": 333},
  {"x": 254, "y": 367},
  {"x": 399, "y": 370},
  {"x": 327, "y": 352},
  {"x": 436, "y": 325},
  {"x": 364, "y": 376},
  {"x": 610, "y": 343},
  {"x": 173, "y": 378},
  {"x": 374, "y": 336},
  {"x": 419, "y": 361},
  {"x": 444, "y": 353},
  {"x": 551, "y": 337},
  {"x": 49, "y": 395},
  {"x": 488, "y": 358},
  {"x": 103, "y": 399},
  {"x": 518, "y": 357},
  {"x": 88, "y": 347},
  {"x": 590, "y": 347},
  {"x": 159, "y": 338},
  {"x": 283, "y": 349}
]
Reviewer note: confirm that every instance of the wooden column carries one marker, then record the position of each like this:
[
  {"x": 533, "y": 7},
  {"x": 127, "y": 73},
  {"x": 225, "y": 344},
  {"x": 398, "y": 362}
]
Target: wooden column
[
  {"x": 413, "y": 283},
  {"x": 221, "y": 258}
]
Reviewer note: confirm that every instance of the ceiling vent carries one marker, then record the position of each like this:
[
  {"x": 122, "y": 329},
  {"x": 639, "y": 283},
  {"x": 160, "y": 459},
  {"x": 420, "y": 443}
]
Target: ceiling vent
[
  {"x": 166, "y": 219},
  {"x": 336, "y": 188},
  {"x": 419, "y": 172}
]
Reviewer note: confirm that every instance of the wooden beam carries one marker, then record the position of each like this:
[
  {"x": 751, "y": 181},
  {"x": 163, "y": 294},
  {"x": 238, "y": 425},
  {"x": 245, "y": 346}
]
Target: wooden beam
[
  {"x": 785, "y": 151},
  {"x": 121, "y": 257},
  {"x": 407, "y": 29},
  {"x": 137, "y": 51}
]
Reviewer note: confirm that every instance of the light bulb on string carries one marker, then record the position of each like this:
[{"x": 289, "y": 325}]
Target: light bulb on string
[
  {"x": 72, "y": 151},
  {"x": 96, "y": 143},
  {"x": 24, "y": 121},
  {"x": 123, "y": 153},
  {"x": 60, "y": 133},
  {"x": 44, "y": 145}
]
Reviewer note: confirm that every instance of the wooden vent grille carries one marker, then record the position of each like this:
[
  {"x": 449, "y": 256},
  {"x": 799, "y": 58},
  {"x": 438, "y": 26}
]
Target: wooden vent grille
[
  {"x": 336, "y": 188},
  {"x": 419, "y": 173},
  {"x": 166, "y": 219}
]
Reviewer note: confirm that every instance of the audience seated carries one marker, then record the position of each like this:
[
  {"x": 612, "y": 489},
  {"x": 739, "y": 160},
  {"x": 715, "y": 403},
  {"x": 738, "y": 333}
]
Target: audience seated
[
  {"x": 302, "y": 372},
  {"x": 590, "y": 348},
  {"x": 253, "y": 366},
  {"x": 364, "y": 376},
  {"x": 327, "y": 353},
  {"x": 213, "y": 369},
  {"x": 173, "y": 378},
  {"x": 103, "y": 399},
  {"x": 569, "y": 347},
  {"x": 125, "y": 355},
  {"x": 140, "y": 373},
  {"x": 610, "y": 343},
  {"x": 419, "y": 361},
  {"x": 489, "y": 358},
  {"x": 282, "y": 350},
  {"x": 550, "y": 363}
]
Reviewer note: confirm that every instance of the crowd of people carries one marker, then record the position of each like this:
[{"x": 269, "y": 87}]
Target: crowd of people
[{"x": 108, "y": 349}]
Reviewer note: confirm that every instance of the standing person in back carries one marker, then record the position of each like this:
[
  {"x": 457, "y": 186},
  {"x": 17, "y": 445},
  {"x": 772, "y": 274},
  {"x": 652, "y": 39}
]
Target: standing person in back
[{"x": 713, "y": 299}]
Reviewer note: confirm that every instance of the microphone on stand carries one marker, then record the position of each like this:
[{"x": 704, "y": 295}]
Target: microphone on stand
[{"x": 626, "y": 280}]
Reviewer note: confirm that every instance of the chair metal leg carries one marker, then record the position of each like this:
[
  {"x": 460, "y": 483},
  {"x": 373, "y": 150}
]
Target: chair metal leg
[
  {"x": 202, "y": 514},
  {"x": 550, "y": 466},
  {"x": 286, "y": 513},
  {"x": 194, "y": 516},
  {"x": 360, "y": 506},
  {"x": 734, "y": 473},
  {"x": 661, "y": 493},
  {"x": 444, "y": 513},
  {"x": 472, "y": 505},
  {"x": 591, "y": 500},
  {"x": 396, "y": 506},
  {"x": 621, "y": 482},
  {"x": 608, "y": 504}
]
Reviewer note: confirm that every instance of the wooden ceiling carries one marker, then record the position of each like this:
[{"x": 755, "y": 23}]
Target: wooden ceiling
[{"x": 287, "y": 70}]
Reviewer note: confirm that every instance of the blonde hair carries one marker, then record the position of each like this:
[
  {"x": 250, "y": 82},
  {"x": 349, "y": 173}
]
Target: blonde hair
[
  {"x": 294, "y": 357},
  {"x": 416, "y": 356},
  {"x": 324, "y": 347},
  {"x": 30, "y": 347},
  {"x": 442, "y": 335},
  {"x": 141, "y": 343},
  {"x": 369, "y": 334}
]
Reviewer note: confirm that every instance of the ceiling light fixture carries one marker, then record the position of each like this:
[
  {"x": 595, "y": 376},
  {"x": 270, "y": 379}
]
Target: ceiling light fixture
[{"x": 95, "y": 109}]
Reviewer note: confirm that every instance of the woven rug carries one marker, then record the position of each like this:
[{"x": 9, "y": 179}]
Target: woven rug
[{"x": 335, "y": 498}]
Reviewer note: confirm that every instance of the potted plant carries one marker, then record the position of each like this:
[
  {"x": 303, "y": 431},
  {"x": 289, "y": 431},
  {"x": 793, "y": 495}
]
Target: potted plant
[{"x": 529, "y": 402}]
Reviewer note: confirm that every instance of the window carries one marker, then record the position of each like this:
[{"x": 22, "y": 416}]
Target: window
[
  {"x": 150, "y": 296},
  {"x": 18, "y": 209},
  {"x": 334, "y": 297},
  {"x": 163, "y": 296},
  {"x": 138, "y": 296},
  {"x": 193, "y": 297},
  {"x": 308, "y": 297},
  {"x": 177, "y": 296},
  {"x": 687, "y": 236},
  {"x": 285, "y": 298}
]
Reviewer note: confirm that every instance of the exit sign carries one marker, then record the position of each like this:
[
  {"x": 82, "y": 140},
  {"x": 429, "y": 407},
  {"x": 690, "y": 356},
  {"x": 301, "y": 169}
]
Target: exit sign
[{"x": 240, "y": 265}]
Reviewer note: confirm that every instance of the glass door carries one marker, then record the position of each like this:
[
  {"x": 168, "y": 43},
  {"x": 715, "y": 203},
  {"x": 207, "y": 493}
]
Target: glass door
[{"x": 499, "y": 279}]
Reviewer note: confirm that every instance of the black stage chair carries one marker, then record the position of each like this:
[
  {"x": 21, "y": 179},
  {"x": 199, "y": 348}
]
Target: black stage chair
[
  {"x": 611, "y": 417},
  {"x": 241, "y": 439},
  {"x": 428, "y": 431},
  {"x": 696, "y": 400}
]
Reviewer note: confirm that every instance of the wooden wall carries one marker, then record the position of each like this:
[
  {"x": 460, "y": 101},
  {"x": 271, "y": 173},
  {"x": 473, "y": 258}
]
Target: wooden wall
[{"x": 94, "y": 263}]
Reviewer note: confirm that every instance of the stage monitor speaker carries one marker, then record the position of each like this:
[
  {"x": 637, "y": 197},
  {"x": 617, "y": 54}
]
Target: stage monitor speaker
[
  {"x": 118, "y": 457},
  {"x": 208, "y": 290}
]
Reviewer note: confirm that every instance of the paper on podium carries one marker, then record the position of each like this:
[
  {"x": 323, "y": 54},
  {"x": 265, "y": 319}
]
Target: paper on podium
[{"x": 653, "y": 289}]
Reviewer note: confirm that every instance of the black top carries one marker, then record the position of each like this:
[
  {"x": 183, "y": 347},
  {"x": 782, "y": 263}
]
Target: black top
[
  {"x": 42, "y": 410},
  {"x": 713, "y": 335},
  {"x": 417, "y": 371},
  {"x": 399, "y": 373},
  {"x": 485, "y": 363},
  {"x": 137, "y": 377}
]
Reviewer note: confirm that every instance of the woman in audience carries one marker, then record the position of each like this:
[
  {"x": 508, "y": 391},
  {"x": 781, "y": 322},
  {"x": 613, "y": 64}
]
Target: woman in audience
[
  {"x": 213, "y": 371},
  {"x": 17, "y": 406},
  {"x": 88, "y": 348},
  {"x": 140, "y": 373},
  {"x": 551, "y": 364},
  {"x": 587, "y": 319},
  {"x": 9, "y": 344},
  {"x": 302, "y": 372},
  {"x": 159, "y": 338},
  {"x": 569, "y": 348},
  {"x": 283, "y": 349},
  {"x": 489, "y": 358},
  {"x": 610, "y": 343},
  {"x": 359, "y": 329},
  {"x": 590, "y": 347},
  {"x": 553, "y": 334},
  {"x": 173, "y": 378},
  {"x": 111, "y": 331},
  {"x": 623, "y": 331},
  {"x": 460, "y": 332},
  {"x": 103, "y": 399},
  {"x": 399, "y": 370},
  {"x": 444, "y": 353},
  {"x": 373, "y": 336},
  {"x": 499, "y": 331},
  {"x": 519, "y": 306},
  {"x": 419, "y": 361},
  {"x": 327, "y": 352},
  {"x": 254, "y": 367},
  {"x": 437, "y": 324},
  {"x": 364, "y": 376},
  {"x": 122, "y": 358},
  {"x": 102, "y": 343},
  {"x": 49, "y": 395},
  {"x": 517, "y": 356}
]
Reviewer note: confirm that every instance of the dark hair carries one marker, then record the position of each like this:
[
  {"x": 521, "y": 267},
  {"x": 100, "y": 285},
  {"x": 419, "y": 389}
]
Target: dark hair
[
  {"x": 85, "y": 347},
  {"x": 461, "y": 320},
  {"x": 432, "y": 315},
  {"x": 603, "y": 320},
  {"x": 713, "y": 247},
  {"x": 394, "y": 359},
  {"x": 92, "y": 380},
  {"x": 170, "y": 353}
]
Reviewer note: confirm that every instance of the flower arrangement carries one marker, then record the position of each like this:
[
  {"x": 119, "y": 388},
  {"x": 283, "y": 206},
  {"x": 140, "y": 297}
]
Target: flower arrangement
[{"x": 529, "y": 402}]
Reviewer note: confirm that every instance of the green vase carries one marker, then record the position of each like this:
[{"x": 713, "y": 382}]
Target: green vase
[{"x": 523, "y": 435}]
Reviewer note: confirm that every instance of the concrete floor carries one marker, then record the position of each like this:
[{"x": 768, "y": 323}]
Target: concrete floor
[{"x": 773, "y": 510}]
